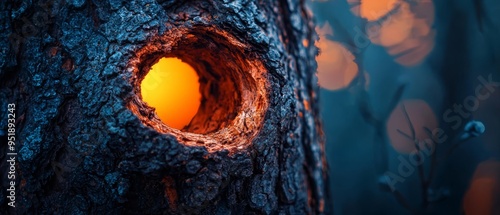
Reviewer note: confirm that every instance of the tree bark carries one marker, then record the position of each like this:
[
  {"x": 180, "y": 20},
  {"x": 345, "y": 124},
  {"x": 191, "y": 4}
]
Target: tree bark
[{"x": 87, "y": 143}]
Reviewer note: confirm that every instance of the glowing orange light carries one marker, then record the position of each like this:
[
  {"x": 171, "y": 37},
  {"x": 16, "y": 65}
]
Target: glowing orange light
[{"x": 172, "y": 88}]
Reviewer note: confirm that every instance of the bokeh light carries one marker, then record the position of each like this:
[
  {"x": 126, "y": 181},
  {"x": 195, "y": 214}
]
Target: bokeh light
[
  {"x": 421, "y": 116},
  {"x": 336, "y": 66},
  {"x": 482, "y": 196},
  {"x": 372, "y": 9},
  {"x": 172, "y": 88},
  {"x": 403, "y": 28}
]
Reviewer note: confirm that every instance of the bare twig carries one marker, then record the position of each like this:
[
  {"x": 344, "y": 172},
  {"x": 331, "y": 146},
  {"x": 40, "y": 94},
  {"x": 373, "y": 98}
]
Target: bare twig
[
  {"x": 423, "y": 181},
  {"x": 434, "y": 162},
  {"x": 404, "y": 134},
  {"x": 407, "y": 117}
]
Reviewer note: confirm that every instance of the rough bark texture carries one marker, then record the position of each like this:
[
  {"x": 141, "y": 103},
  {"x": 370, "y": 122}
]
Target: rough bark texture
[{"x": 88, "y": 144}]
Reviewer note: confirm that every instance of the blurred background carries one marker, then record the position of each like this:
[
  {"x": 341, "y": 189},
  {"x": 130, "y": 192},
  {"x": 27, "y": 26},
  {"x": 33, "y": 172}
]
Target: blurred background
[{"x": 410, "y": 98}]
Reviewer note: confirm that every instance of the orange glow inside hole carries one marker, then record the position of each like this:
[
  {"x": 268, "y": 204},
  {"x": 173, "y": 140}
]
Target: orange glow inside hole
[{"x": 172, "y": 88}]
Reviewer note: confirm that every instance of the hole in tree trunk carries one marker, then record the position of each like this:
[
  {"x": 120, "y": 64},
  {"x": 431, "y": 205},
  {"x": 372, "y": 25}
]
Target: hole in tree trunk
[{"x": 233, "y": 85}]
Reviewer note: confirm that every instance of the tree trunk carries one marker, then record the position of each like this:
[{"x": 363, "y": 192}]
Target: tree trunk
[{"x": 87, "y": 143}]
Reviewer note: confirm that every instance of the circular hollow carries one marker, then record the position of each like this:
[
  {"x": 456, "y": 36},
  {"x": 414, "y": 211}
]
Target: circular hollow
[
  {"x": 233, "y": 87},
  {"x": 172, "y": 88}
]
